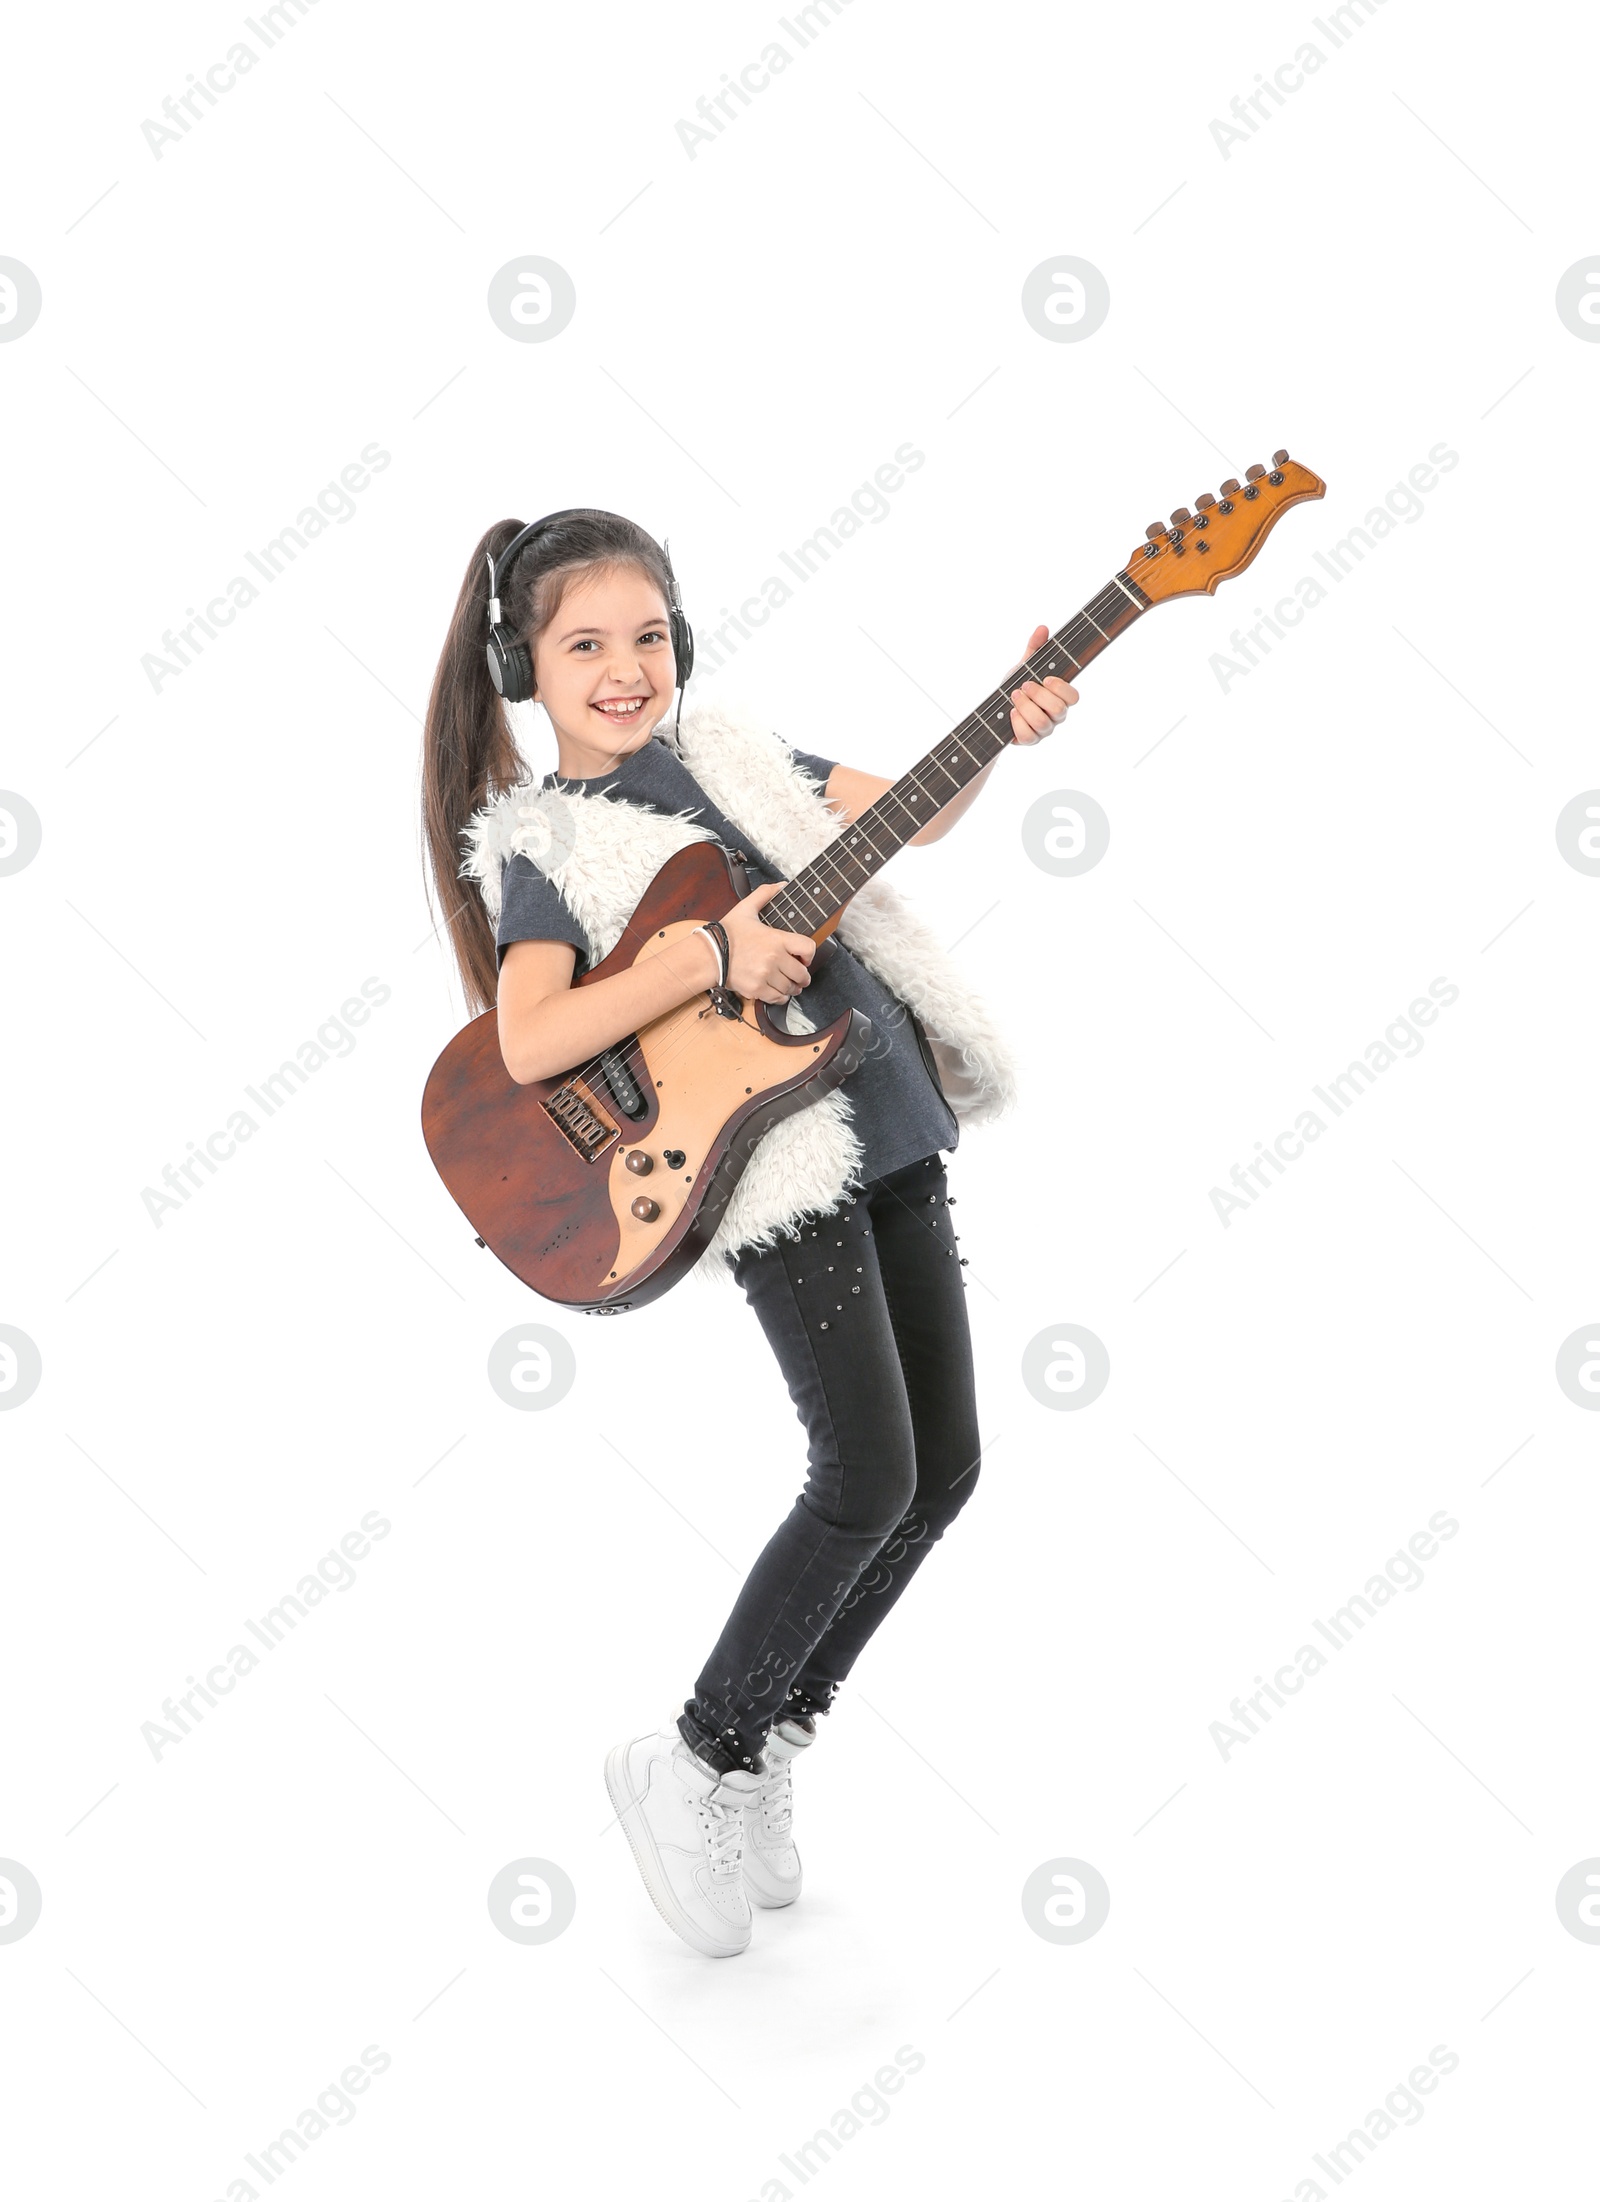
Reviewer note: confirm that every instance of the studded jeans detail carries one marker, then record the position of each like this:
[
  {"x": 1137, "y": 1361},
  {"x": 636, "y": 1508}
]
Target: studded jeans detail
[{"x": 866, "y": 1314}]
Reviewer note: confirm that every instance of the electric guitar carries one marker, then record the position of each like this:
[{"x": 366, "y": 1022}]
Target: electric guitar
[{"x": 601, "y": 1188}]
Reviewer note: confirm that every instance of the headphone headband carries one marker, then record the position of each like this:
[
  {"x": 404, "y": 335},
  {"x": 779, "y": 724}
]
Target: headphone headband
[
  {"x": 510, "y": 661},
  {"x": 508, "y": 556}
]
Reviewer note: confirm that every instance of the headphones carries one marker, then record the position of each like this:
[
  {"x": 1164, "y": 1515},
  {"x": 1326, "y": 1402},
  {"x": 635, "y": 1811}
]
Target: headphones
[{"x": 511, "y": 661}]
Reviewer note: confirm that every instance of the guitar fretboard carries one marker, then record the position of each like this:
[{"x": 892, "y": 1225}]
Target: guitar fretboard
[{"x": 867, "y": 843}]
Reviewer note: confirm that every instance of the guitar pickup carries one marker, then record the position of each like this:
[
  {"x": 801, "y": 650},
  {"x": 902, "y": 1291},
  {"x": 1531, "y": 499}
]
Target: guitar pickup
[{"x": 621, "y": 1084}]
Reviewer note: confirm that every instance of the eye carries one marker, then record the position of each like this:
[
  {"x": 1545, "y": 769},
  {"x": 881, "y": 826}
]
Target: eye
[{"x": 654, "y": 634}]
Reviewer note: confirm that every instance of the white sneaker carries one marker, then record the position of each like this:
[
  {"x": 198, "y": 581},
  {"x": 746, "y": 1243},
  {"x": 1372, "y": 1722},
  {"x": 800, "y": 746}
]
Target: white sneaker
[
  {"x": 685, "y": 1827},
  {"x": 771, "y": 1862}
]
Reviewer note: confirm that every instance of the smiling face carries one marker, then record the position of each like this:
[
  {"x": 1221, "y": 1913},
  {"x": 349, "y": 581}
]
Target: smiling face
[{"x": 603, "y": 668}]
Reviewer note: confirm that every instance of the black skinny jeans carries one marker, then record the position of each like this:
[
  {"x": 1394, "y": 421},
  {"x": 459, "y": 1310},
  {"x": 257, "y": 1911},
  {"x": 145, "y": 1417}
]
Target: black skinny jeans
[{"x": 867, "y": 1315}]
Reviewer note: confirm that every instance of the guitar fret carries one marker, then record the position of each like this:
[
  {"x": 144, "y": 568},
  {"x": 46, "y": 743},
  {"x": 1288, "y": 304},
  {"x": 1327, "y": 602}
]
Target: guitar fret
[
  {"x": 893, "y": 795},
  {"x": 838, "y": 863},
  {"x": 860, "y": 826},
  {"x": 875, "y": 816},
  {"x": 828, "y": 855}
]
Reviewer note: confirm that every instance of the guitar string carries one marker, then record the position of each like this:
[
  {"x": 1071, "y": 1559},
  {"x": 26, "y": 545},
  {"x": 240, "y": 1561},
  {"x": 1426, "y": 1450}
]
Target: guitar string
[
  {"x": 628, "y": 1044},
  {"x": 1109, "y": 593},
  {"x": 1113, "y": 594},
  {"x": 831, "y": 855}
]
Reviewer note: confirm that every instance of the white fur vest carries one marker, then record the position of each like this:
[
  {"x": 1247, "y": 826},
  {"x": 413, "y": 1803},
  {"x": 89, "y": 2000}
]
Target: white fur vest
[{"x": 601, "y": 852}]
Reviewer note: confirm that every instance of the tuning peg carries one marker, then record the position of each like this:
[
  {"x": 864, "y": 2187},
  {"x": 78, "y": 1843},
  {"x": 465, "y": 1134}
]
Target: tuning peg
[
  {"x": 1278, "y": 457},
  {"x": 1180, "y": 519},
  {"x": 1254, "y": 473},
  {"x": 1230, "y": 489},
  {"x": 1204, "y": 504},
  {"x": 1156, "y": 530}
]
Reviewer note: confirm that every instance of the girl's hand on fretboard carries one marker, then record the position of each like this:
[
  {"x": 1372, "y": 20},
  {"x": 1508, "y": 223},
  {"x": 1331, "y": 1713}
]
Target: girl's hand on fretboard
[{"x": 1039, "y": 706}]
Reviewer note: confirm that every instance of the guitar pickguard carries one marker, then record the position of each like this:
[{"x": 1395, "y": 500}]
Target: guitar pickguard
[{"x": 733, "y": 1065}]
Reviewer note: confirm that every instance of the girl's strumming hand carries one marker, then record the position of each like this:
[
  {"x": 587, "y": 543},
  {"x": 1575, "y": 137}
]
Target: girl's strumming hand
[
  {"x": 1039, "y": 706},
  {"x": 763, "y": 962}
]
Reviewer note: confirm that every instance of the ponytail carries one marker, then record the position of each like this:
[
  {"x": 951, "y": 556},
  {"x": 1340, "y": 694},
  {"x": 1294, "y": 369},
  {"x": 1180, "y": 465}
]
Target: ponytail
[{"x": 469, "y": 752}]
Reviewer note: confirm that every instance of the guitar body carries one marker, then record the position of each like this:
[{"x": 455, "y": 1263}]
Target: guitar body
[{"x": 553, "y": 1175}]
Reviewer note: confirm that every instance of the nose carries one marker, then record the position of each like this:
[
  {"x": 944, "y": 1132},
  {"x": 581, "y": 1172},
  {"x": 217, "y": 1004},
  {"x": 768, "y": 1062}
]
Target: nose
[{"x": 624, "y": 669}]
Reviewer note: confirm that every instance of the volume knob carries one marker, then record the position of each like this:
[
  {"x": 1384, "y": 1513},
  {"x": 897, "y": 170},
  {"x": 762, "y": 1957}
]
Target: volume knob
[
  {"x": 640, "y": 1163},
  {"x": 645, "y": 1208}
]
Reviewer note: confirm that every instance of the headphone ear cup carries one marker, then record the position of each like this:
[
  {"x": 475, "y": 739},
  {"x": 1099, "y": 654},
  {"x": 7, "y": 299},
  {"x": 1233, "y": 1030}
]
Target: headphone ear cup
[
  {"x": 682, "y": 647},
  {"x": 510, "y": 667},
  {"x": 519, "y": 673}
]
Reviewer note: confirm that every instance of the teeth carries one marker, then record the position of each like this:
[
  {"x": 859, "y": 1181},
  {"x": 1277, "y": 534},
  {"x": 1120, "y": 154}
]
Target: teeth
[{"x": 622, "y": 710}]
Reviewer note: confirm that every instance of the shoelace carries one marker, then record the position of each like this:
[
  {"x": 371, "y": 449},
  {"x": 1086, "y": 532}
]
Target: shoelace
[
  {"x": 777, "y": 1800},
  {"x": 723, "y": 1828}
]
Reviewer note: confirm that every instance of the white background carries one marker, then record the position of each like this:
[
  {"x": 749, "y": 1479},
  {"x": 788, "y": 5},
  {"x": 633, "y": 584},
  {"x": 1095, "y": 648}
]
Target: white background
[{"x": 1292, "y": 1929}]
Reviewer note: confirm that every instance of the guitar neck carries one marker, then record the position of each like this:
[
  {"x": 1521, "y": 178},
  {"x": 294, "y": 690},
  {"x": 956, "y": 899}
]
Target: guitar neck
[{"x": 816, "y": 895}]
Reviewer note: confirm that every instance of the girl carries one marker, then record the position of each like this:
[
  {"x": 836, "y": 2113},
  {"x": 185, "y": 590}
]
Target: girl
[{"x": 837, "y": 1232}]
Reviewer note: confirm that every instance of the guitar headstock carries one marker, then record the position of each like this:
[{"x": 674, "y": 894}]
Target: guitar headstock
[{"x": 1193, "y": 553}]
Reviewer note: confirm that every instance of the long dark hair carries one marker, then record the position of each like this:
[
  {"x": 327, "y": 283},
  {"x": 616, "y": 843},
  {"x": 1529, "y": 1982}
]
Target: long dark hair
[{"x": 468, "y": 753}]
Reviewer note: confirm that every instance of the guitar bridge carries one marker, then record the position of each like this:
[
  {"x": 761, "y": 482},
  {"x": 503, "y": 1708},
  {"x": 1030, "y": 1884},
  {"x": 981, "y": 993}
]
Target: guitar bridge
[{"x": 580, "y": 1120}]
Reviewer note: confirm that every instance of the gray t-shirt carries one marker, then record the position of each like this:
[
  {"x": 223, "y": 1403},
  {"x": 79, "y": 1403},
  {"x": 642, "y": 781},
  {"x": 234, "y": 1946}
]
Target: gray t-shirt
[{"x": 899, "y": 1110}]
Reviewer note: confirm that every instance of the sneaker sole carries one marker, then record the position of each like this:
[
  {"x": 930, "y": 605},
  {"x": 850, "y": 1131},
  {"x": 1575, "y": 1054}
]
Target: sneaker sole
[
  {"x": 767, "y": 1903},
  {"x": 644, "y": 1857}
]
